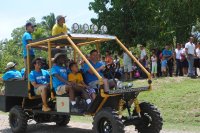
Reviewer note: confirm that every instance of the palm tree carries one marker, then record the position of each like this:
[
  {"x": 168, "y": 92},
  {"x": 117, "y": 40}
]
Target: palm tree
[{"x": 48, "y": 22}]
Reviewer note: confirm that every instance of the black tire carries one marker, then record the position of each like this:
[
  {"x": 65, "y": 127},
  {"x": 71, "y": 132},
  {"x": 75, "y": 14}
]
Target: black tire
[
  {"x": 63, "y": 120},
  {"x": 107, "y": 121},
  {"x": 152, "y": 120},
  {"x": 17, "y": 120}
]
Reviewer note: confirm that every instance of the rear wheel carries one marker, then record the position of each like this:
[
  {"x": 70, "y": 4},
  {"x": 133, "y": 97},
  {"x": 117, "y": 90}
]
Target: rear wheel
[
  {"x": 63, "y": 120},
  {"x": 151, "y": 119},
  {"x": 107, "y": 121},
  {"x": 17, "y": 120}
]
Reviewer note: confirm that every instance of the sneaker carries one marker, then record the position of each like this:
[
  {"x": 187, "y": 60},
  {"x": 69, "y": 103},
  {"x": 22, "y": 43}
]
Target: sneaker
[
  {"x": 45, "y": 108},
  {"x": 74, "y": 109}
]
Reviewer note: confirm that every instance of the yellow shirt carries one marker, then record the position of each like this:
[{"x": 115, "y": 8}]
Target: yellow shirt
[
  {"x": 77, "y": 78},
  {"x": 57, "y": 29}
]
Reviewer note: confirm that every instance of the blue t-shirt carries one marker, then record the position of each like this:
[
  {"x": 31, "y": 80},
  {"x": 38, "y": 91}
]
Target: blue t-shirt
[
  {"x": 12, "y": 74},
  {"x": 167, "y": 53},
  {"x": 23, "y": 71},
  {"x": 41, "y": 77},
  {"x": 91, "y": 77},
  {"x": 26, "y": 37},
  {"x": 164, "y": 63},
  {"x": 62, "y": 72}
]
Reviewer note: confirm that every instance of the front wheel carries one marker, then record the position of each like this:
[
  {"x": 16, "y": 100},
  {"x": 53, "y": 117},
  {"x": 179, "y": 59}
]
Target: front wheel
[
  {"x": 17, "y": 120},
  {"x": 151, "y": 119},
  {"x": 107, "y": 121}
]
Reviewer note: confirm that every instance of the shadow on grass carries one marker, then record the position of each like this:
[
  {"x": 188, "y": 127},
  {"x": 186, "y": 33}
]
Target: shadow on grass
[{"x": 44, "y": 128}]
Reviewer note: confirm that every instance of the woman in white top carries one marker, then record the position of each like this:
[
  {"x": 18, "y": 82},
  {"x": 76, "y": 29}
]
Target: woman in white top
[
  {"x": 154, "y": 65},
  {"x": 198, "y": 55}
]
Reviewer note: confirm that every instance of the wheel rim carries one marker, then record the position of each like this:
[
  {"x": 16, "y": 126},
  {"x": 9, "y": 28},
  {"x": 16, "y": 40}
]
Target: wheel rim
[
  {"x": 14, "y": 120},
  {"x": 147, "y": 120},
  {"x": 105, "y": 126}
]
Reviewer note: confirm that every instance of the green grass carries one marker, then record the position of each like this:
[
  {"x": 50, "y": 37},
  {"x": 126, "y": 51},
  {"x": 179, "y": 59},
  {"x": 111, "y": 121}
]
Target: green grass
[{"x": 178, "y": 99}]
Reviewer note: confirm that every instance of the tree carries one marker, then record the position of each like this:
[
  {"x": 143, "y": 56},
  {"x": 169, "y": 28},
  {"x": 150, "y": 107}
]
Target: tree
[
  {"x": 48, "y": 22},
  {"x": 142, "y": 21}
]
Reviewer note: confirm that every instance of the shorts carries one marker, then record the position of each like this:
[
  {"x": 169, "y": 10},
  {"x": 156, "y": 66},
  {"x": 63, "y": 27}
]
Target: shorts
[
  {"x": 196, "y": 62},
  {"x": 94, "y": 84},
  {"x": 154, "y": 69},
  {"x": 184, "y": 64},
  {"x": 128, "y": 67},
  {"x": 90, "y": 91},
  {"x": 61, "y": 90},
  {"x": 163, "y": 69},
  {"x": 38, "y": 90}
]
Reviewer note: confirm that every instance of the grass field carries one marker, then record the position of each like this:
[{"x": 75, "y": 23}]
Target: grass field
[{"x": 178, "y": 99}]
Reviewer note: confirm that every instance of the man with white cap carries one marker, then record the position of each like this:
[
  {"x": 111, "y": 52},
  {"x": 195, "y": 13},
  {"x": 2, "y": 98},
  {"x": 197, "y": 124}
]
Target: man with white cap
[
  {"x": 11, "y": 72},
  {"x": 60, "y": 27}
]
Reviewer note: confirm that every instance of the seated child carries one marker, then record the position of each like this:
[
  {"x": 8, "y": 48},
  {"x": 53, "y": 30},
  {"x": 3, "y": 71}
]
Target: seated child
[{"x": 76, "y": 79}]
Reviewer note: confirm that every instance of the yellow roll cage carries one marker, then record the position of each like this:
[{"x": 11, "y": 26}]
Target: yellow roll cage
[{"x": 76, "y": 41}]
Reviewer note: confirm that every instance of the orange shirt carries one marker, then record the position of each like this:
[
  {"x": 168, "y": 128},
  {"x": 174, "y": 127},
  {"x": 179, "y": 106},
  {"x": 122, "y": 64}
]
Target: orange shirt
[
  {"x": 109, "y": 60},
  {"x": 77, "y": 78}
]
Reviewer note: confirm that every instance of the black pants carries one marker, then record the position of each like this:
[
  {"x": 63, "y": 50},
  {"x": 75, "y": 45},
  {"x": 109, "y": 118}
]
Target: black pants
[
  {"x": 179, "y": 71},
  {"x": 170, "y": 67}
]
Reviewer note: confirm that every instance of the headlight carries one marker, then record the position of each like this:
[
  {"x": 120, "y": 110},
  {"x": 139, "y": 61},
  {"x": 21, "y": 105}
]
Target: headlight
[
  {"x": 94, "y": 28},
  {"x": 104, "y": 29},
  {"x": 85, "y": 27},
  {"x": 75, "y": 27}
]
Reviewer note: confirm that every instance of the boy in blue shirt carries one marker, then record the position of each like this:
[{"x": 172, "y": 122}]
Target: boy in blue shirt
[
  {"x": 168, "y": 55},
  {"x": 61, "y": 84},
  {"x": 163, "y": 66},
  {"x": 40, "y": 79},
  {"x": 11, "y": 73}
]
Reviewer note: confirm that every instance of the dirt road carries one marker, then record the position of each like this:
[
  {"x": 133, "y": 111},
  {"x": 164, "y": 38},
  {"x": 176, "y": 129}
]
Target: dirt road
[{"x": 73, "y": 127}]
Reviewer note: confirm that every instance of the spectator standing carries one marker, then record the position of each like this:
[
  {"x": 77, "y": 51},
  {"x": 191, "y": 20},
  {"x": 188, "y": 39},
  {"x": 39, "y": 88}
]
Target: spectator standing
[
  {"x": 184, "y": 62},
  {"x": 167, "y": 54},
  {"x": 198, "y": 55},
  {"x": 190, "y": 53},
  {"x": 127, "y": 66},
  {"x": 154, "y": 65},
  {"x": 143, "y": 55},
  {"x": 177, "y": 53},
  {"x": 163, "y": 66}
]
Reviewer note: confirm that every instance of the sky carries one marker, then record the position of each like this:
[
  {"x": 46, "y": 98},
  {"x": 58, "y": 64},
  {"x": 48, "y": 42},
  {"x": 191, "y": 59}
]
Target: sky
[{"x": 15, "y": 13}]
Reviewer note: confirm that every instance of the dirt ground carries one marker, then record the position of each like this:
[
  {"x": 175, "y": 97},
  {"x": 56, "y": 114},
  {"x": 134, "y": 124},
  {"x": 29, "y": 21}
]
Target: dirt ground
[{"x": 73, "y": 127}]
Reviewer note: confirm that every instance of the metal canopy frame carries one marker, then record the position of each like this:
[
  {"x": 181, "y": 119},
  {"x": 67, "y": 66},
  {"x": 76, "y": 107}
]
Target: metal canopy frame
[{"x": 75, "y": 41}]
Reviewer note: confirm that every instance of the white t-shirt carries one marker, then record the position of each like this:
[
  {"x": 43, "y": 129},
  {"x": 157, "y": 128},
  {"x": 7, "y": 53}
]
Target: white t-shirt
[
  {"x": 178, "y": 53},
  {"x": 190, "y": 47},
  {"x": 143, "y": 54},
  {"x": 154, "y": 61},
  {"x": 198, "y": 52},
  {"x": 126, "y": 59}
]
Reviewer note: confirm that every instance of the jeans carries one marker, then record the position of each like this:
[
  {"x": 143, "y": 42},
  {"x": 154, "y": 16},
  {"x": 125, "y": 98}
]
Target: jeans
[
  {"x": 190, "y": 60},
  {"x": 178, "y": 68},
  {"x": 170, "y": 67}
]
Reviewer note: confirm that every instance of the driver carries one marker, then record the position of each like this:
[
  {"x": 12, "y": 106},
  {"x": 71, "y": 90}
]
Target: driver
[{"x": 91, "y": 78}]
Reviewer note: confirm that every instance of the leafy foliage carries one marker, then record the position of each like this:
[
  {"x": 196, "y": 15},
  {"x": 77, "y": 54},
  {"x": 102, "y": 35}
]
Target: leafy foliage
[{"x": 142, "y": 21}]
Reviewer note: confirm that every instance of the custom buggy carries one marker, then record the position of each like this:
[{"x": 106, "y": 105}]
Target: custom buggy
[{"x": 107, "y": 109}]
